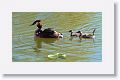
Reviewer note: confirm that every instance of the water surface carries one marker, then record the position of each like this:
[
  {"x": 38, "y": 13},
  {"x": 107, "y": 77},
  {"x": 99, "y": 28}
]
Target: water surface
[{"x": 26, "y": 49}]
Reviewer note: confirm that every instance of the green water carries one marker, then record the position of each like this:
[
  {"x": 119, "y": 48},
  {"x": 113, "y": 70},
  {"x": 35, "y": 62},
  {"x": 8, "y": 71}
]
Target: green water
[{"x": 26, "y": 49}]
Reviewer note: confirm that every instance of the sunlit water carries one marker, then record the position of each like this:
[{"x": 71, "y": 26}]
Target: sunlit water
[{"x": 26, "y": 49}]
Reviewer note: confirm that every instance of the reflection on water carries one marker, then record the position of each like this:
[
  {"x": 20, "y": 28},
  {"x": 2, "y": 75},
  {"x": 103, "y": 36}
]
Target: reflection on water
[{"x": 28, "y": 49}]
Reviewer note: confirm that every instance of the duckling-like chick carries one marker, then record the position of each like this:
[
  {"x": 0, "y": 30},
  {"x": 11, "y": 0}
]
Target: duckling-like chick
[
  {"x": 76, "y": 34},
  {"x": 89, "y": 35}
]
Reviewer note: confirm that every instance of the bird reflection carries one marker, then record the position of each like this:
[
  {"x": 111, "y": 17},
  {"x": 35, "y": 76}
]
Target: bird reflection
[
  {"x": 40, "y": 41},
  {"x": 72, "y": 37}
]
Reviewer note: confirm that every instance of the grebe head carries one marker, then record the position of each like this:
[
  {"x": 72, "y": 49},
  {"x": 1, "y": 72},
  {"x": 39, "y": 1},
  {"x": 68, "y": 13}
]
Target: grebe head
[
  {"x": 70, "y": 30},
  {"x": 36, "y": 21},
  {"x": 78, "y": 32}
]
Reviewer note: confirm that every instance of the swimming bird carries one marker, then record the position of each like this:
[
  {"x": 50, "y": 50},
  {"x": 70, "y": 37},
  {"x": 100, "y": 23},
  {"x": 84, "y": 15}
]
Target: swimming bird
[
  {"x": 89, "y": 35},
  {"x": 76, "y": 34},
  {"x": 49, "y": 33},
  {"x": 46, "y": 33}
]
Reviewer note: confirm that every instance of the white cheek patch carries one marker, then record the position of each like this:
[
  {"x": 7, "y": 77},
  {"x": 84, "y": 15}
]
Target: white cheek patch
[{"x": 60, "y": 35}]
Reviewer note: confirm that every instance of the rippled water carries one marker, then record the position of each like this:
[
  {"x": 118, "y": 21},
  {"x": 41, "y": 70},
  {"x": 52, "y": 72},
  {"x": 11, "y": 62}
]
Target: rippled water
[{"x": 25, "y": 49}]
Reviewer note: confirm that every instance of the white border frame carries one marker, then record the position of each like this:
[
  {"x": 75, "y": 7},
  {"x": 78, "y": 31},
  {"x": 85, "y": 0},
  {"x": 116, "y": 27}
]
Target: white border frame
[{"x": 104, "y": 67}]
